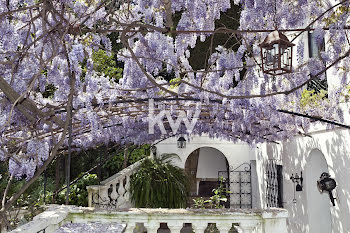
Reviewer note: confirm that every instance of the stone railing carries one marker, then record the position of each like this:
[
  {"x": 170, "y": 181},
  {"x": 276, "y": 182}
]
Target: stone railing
[
  {"x": 245, "y": 221},
  {"x": 48, "y": 221},
  {"x": 114, "y": 191}
]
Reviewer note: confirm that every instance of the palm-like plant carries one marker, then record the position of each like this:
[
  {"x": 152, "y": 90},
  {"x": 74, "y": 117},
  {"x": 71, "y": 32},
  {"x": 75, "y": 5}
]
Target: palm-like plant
[{"x": 158, "y": 183}]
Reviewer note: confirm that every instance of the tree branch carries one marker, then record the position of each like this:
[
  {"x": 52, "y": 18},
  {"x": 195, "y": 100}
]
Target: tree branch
[{"x": 314, "y": 118}]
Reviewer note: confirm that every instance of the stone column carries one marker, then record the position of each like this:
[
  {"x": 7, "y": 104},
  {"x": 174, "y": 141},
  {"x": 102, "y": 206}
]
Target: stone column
[
  {"x": 248, "y": 226},
  {"x": 224, "y": 227},
  {"x": 199, "y": 227},
  {"x": 121, "y": 190},
  {"x": 152, "y": 227},
  {"x": 89, "y": 198},
  {"x": 114, "y": 194},
  {"x": 92, "y": 191},
  {"x": 130, "y": 227},
  {"x": 175, "y": 227},
  {"x": 127, "y": 192}
]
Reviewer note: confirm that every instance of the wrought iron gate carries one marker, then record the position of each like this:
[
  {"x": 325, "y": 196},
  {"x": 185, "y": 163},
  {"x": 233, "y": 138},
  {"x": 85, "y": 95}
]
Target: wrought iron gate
[
  {"x": 239, "y": 183},
  {"x": 274, "y": 184}
]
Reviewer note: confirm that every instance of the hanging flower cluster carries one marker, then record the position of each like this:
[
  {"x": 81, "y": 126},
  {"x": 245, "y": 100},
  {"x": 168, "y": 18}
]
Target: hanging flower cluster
[{"x": 45, "y": 43}]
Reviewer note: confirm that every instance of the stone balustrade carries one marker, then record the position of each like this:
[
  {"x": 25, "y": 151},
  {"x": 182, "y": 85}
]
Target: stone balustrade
[
  {"x": 245, "y": 220},
  {"x": 114, "y": 191}
]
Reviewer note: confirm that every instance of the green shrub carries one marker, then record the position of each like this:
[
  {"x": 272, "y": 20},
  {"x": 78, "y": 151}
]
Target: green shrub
[
  {"x": 158, "y": 184},
  {"x": 78, "y": 194},
  {"x": 107, "y": 65},
  {"x": 217, "y": 200}
]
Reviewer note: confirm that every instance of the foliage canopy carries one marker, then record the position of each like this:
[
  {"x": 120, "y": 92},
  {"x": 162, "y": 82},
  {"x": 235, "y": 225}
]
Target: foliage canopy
[{"x": 54, "y": 49}]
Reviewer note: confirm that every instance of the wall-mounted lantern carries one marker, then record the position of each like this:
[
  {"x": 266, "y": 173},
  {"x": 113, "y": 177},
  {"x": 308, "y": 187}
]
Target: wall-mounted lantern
[
  {"x": 276, "y": 54},
  {"x": 326, "y": 183},
  {"x": 298, "y": 180},
  {"x": 298, "y": 183},
  {"x": 153, "y": 151},
  {"x": 181, "y": 142}
]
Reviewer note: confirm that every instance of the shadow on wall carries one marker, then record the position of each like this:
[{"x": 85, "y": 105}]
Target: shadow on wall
[
  {"x": 339, "y": 166},
  {"x": 296, "y": 154}
]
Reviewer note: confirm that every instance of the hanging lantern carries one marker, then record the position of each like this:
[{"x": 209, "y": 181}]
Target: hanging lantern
[
  {"x": 181, "y": 142},
  {"x": 153, "y": 151},
  {"x": 276, "y": 54},
  {"x": 326, "y": 183}
]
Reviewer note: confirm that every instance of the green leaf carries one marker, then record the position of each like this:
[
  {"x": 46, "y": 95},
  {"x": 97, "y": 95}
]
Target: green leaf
[{"x": 157, "y": 183}]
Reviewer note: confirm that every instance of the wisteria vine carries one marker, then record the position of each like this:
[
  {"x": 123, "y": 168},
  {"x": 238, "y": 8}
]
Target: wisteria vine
[{"x": 52, "y": 43}]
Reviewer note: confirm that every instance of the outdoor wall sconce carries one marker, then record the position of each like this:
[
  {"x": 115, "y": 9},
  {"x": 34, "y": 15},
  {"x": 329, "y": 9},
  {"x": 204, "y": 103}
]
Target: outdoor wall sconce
[
  {"x": 181, "y": 142},
  {"x": 276, "y": 54},
  {"x": 298, "y": 180},
  {"x": 326, "y": 183},
  {"x": 153, "y": 151}
]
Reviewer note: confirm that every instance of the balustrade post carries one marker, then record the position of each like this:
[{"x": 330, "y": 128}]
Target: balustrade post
[
  {"x": 89, "y": 198},
  {"x": 175, "y": 227},
  {"x": 152, "y": 227},
  {"x": 121, "y": 191},
  {"x": 114, "y": 194},
  {"x": 247, "y": 226},
  {"x": 127, "y": 188},
  {"x": 130, "y": 227},
  {"x": 199, "y": 227},
  {"x": 224, "y": 227}
]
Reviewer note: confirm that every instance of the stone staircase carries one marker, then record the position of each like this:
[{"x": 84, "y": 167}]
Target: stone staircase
[{"x": 114, "y": 191}]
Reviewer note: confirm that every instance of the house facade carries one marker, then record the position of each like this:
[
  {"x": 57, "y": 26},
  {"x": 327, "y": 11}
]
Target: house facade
[
  {"x": 263, "y": 173},
  {"x": 282, "y": 174},
  {"x": 308, "y": 156}
]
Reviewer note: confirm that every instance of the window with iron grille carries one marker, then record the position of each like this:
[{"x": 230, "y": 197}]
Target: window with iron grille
[{"x": 274, "y": 184}]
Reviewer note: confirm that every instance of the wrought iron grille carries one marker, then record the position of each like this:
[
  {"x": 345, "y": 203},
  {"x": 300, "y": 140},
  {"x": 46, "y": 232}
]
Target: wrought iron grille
[
  {"x": 274, "y": 184},
  {"x": 240, "y": 185}
]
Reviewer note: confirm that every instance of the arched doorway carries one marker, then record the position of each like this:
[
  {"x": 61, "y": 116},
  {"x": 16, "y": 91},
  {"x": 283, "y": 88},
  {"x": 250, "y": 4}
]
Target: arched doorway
[
  {"x": 318, "y": 204},
  {"x": 202, "y": 166}
]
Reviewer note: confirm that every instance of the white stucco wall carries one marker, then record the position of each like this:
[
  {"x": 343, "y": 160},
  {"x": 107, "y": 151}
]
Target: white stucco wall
[
  {"x": 210, "y": 162},
  {"x": 236, "y": 153},
  {"x": 294, "y": 153}
]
